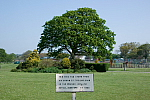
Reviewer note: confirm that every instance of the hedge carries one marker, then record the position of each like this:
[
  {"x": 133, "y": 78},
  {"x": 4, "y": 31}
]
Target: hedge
[{"x": 99, "y": 67}]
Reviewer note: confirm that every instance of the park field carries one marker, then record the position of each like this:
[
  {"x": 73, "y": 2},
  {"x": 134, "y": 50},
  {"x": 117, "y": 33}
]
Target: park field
[{"x": 116, "y": 84}]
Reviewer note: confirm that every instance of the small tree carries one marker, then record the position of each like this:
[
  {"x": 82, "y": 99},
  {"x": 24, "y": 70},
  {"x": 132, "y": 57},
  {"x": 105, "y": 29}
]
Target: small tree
[
  {"x": 66, "y": 63},
  {"x": 32, "y": 61},
  {"x": 34, "y": 58}
]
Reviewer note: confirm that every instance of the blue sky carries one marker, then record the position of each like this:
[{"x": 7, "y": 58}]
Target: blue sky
[{"x": 21, "y": 20}]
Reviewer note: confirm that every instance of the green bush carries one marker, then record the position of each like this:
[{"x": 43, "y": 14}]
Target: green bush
[
  {"x": 64, "y": 70},
  {"x": 24, "y": 65},
  {"x": 33, "y": 70},
  {"x": 46, "y": 63},
  {"x": 84, "y": 70},
  {"x": 94, "y": 70},
  {"x": 51, "y": 70},
  {"x": 66, "y": 63},
  {"x": 77, "y": 64},
  {"x": 57, "y": 64},
  {"x": 24, "y": 70},
  {"x": 70, "y": 70},
  {"x": 14, "y": 70},
  {"x": 99, "y": 67},
  {"x": 67, "y": 70}
]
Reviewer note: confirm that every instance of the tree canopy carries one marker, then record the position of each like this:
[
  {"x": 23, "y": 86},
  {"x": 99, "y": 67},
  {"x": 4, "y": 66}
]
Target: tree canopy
[
  {"x": 3, "y": 55},
  {"x": 79, "y": 32},
  {"x": 144, "y": 50},
  {"x": 129, "y": 50}
]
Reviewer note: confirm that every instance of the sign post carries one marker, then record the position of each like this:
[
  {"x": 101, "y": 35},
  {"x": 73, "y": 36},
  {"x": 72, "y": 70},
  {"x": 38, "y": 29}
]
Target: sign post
[
  {"x": 74, "y": 83},
  {"x": 74, "y": 96}
]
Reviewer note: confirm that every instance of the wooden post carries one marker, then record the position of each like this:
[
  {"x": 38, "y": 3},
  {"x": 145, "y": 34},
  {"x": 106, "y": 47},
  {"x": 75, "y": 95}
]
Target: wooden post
[{"x": 74, "y": 96}]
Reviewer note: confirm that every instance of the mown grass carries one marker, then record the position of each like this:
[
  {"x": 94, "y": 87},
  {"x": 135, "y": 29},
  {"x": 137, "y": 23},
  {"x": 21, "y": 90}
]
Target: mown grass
[{"x": 41, "y": 86}]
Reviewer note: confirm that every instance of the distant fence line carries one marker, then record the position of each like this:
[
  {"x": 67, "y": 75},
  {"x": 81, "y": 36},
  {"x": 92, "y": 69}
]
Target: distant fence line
[
  {"x": 132, "y": 63},
  {"x": 120, "y": 65}
]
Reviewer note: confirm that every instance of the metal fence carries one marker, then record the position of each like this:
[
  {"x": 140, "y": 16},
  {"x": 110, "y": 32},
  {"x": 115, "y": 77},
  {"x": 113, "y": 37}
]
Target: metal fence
[
  {"x": 128, "y": 65},
  {"x": 132, "y": 63}
]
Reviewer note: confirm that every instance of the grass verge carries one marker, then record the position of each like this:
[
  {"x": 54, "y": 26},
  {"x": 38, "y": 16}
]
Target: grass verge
[{"x": 41, "y": 86}]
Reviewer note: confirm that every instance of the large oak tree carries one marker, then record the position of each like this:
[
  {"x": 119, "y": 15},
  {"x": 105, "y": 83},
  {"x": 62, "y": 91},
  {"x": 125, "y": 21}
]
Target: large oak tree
[{"x": 80, "y": 32}]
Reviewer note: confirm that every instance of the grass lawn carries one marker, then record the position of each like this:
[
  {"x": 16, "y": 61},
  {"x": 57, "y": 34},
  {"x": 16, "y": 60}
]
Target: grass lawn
[{"x": 41, "y": 86}]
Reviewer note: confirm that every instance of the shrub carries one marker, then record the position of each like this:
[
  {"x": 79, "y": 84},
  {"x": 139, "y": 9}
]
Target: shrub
[
  {"x": 64, "y": 70},
  {"x": 51, "y": 70},
  {"x": 32, "y": 61},
  {"x": 23, "y": 65},
  {"x": 77, "y": 64},
  {"x": 14, "y": 70},
  {"x": 70, "y": 70},
  {"x": 57, "y": 64},
  {"x": 33, "y": 70},
  {"x": 99, "y": 67},
  {"x": 94, "y": 70},
  {"x": 46, "y": 63},
  {"x": 66, "y": 63},
  {"x": 67, "y": 70},
  {"x": 84, "y": 70},
  {"x": 24, "y": 70}
]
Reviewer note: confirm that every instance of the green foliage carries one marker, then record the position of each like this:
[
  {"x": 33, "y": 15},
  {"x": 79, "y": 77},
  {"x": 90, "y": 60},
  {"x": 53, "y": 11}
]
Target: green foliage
[
  {"x": 129, "y": 50},
  {"x": 3, "y": 55},
  {"x": 46, "y": 63},
  {"x": 58, "y": 64},
  {"x": 62, "y": 55},
  {"x": 10, "y": 57},
  {"x": 51, "y": 70},
  {"x": 32, "y": 61},
  {"x": 33, "y": 70},
  {"x": 116, "y": 56},
  {"x": 67, "y": 70},
  {"x": 99, "y": 67},
  {"x": 81, "y": 31},
  {"x": 66, "y": 63},
  {"x": 84, "y": 70},
  {"x": 77, "y": 64},
  {"x": 23, "y": 65},
  {"x": 144, "y": 50},
  {"x": 14, "y": 70},
  {"x": 64, "y": 70}
]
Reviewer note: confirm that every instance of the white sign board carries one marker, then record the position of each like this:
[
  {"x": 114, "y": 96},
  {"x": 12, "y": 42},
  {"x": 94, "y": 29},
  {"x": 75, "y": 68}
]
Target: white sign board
[{"x": 74, "y": 83}]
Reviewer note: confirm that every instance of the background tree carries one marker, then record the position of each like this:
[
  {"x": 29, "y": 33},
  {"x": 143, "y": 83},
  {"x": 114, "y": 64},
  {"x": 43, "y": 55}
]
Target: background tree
[
  {"x": 116, "y": 56},
  {"x": 26, "y": 54},
  {"x": 144, "y": 50},
  {"x": 42, "y": 55},
  {"x": 3, "y": 55},
  {"x": 80, "y": 32},
  {"x": 10, "y": 57},
  {"x": 129, "y": 49}
]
